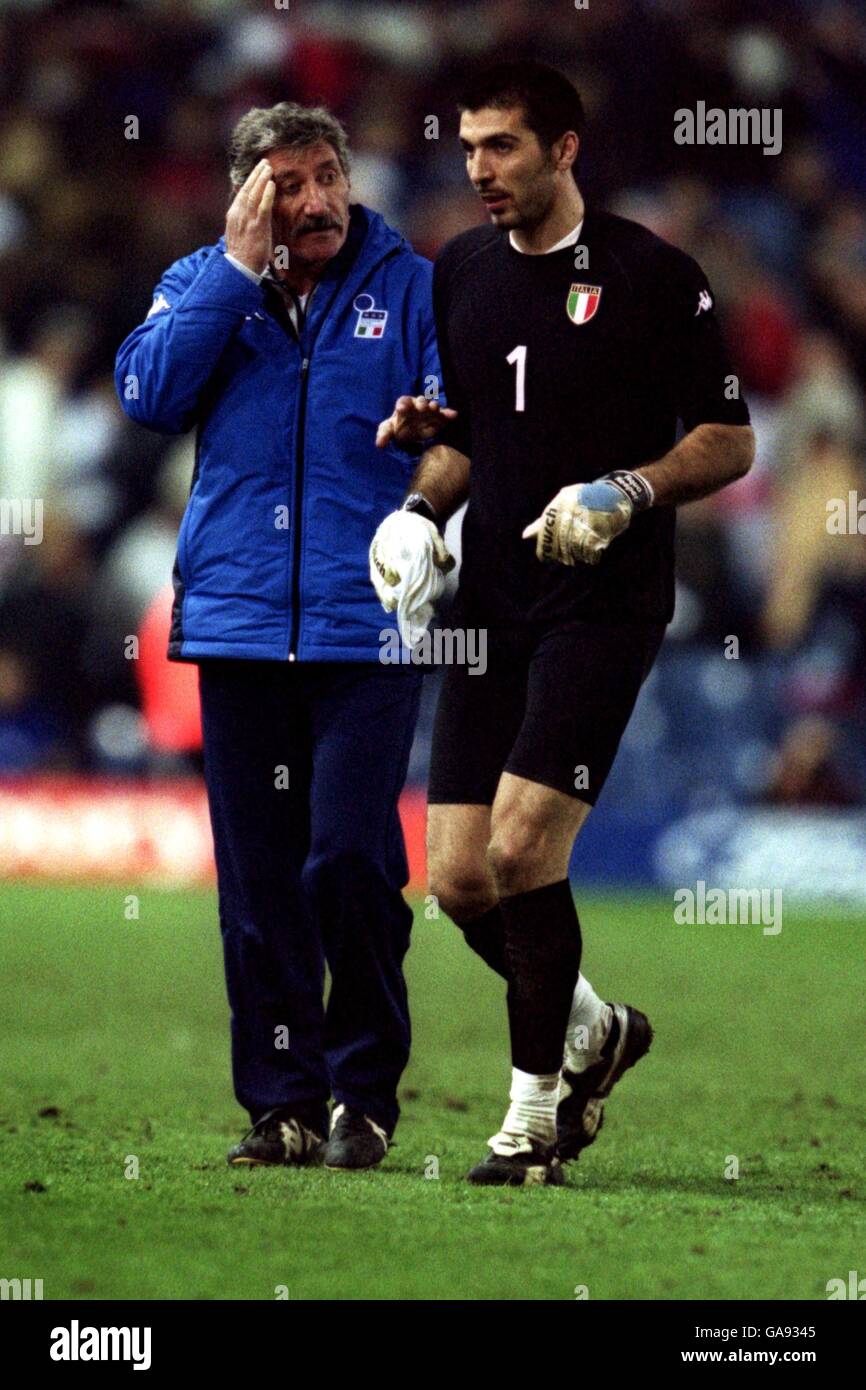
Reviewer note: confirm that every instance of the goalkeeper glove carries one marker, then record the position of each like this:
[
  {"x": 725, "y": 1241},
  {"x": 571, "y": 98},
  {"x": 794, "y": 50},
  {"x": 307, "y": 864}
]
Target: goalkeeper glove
[
  {"x": 408, "y": 564},
  {"x": 582, "y": 520}
]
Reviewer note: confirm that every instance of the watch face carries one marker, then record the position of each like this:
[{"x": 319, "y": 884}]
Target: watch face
[{"x": 417, "y": 502}]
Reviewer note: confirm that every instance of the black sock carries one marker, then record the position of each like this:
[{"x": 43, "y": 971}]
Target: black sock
[
  {"x": 486, "y": 936},
  {"x": 542, "y": 953}
]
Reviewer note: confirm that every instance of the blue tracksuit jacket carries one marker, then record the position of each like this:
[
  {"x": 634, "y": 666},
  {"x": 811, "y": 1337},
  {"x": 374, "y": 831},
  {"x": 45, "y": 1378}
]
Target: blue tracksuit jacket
[{"x": 288, "y": 485}]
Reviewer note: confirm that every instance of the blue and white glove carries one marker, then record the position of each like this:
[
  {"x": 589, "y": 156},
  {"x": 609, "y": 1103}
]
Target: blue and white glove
[{"x": 582, "y": 520}]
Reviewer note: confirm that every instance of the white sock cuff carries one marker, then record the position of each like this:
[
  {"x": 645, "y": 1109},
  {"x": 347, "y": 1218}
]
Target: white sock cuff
[
  {"x": 525, "y": 1086},
  {"x": 584, "y": 994},
  {"x": 588, "y": 1026}
]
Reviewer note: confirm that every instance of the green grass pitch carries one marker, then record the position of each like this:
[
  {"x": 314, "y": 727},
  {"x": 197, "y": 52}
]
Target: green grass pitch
[{"x": 114, "y": 1045}]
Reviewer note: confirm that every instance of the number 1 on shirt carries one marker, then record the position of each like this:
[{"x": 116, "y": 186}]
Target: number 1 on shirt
[{"x": 519, "y": 356}]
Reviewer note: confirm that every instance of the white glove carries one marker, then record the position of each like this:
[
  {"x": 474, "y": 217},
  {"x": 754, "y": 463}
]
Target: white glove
[
  {"x": 408, "y": 564},
  {"x": 582, "y": 520}
]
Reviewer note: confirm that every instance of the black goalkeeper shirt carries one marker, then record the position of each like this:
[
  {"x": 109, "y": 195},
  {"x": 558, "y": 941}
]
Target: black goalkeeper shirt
[{"x": 605, "y": 360}]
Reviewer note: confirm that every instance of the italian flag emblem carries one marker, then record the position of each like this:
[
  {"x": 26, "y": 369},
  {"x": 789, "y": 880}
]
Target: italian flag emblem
[{"x": 582, "y": 302}]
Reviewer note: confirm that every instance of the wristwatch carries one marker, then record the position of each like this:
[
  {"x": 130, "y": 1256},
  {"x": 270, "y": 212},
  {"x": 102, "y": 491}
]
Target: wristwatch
[{"x": 417, "y": 502}]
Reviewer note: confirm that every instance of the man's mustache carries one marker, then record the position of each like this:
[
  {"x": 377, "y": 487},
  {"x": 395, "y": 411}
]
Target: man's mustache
[{"x": 322, "y": 224}]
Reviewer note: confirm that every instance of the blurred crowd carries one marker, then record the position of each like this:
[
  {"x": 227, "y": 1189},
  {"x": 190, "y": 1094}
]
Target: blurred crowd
[{"x": 114, "y": 124}]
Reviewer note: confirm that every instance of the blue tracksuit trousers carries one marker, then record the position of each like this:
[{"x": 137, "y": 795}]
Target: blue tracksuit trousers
[{"x": 304, "y": 764}]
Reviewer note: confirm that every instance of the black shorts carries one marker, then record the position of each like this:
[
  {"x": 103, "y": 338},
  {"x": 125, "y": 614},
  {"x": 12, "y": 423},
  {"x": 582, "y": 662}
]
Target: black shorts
[{"x": 551, "y": 709}]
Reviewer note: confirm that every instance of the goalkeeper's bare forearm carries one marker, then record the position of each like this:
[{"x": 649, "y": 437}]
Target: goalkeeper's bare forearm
[
  {"x": 442, "y": 476},
  {"x": 582, "y": 520},
  {"x": 706, "y": 459}
]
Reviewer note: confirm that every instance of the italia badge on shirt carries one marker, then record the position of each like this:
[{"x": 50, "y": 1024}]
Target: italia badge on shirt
[
  {"x": 582, "y": 302},
  {"x": 371, "y": 321}
]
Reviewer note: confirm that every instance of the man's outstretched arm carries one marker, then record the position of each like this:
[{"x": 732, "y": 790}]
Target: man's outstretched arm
[{"x": 442, "y": 474}]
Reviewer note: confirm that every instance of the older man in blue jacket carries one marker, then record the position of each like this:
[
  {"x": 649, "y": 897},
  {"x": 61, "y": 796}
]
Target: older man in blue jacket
[{"x": 284, "y": 345}]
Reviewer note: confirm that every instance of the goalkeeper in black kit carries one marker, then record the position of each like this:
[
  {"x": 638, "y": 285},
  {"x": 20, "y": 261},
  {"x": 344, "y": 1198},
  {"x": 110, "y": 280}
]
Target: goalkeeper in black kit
[{"x": 572, "y": 342}]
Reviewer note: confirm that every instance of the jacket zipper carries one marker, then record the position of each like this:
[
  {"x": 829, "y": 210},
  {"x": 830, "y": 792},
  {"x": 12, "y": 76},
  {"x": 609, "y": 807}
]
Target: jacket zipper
[
  {"x": 297, "y": 535},
  {"x": 299, "y": 469},
  {"x": 299, "y": 492},
  {"x": 293, "y": 333}
]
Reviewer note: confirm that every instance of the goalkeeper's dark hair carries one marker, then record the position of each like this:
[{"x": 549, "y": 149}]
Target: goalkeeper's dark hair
[{"x": 551, "y": 103}]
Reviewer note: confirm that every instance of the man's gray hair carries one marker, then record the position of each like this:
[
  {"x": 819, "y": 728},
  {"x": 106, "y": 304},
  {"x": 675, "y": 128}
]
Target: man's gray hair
[{"x": 270, "y": 128}]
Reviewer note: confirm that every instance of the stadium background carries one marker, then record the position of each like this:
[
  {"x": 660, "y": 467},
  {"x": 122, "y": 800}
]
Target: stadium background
[
  {"x": 89, "y": 218},
  {"x": 746, "y": 769}
]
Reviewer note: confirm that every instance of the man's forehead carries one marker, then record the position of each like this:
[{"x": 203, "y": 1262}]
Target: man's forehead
[
  {"x": 492, "y": 120},
  {"x": 288, "y": 159}
]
